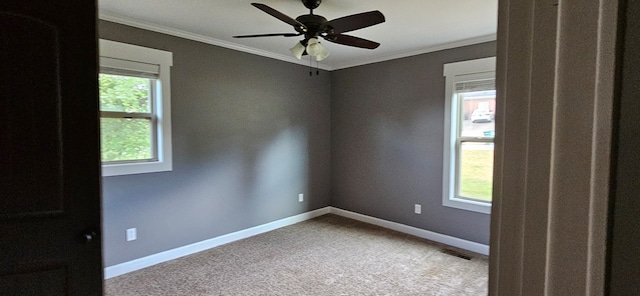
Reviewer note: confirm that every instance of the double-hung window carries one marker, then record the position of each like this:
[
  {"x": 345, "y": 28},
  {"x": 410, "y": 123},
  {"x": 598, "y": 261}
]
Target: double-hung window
[
  {"x": 469, "y": 134},
  {"x": 135, "y": 115}
]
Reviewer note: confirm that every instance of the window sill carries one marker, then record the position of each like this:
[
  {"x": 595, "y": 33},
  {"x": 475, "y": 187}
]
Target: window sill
[
  {"x": 109, "y": 170},
  {"x": 469, "y": 205}
]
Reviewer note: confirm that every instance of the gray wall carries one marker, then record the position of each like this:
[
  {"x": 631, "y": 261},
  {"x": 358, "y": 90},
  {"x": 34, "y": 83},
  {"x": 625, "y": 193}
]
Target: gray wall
[
  {"x": 249, "y": 134},
  {"x": 387, "y": 125}
]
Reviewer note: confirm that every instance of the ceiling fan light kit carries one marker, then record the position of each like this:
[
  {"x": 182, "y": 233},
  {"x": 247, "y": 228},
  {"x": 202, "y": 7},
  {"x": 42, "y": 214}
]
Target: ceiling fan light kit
[
  {"x": 298, "y": 50},
  {"x": 322, "y": 55},
  {"x": 315, "y": 26},
  {"x": 315, "y": 49}
]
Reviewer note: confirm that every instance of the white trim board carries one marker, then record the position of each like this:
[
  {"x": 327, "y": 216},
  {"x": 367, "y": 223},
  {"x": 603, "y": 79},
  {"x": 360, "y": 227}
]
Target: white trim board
[
  {"x": 439, "y": 47},
  {"x": 217, "y": 42},
  {"x": 426, "y": 234},
  {"x": 140, "y": 263},
  {"x": 204, "y": 39}
]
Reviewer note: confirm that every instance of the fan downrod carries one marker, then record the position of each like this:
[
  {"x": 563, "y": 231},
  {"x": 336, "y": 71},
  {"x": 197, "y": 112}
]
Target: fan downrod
[{"x": 311, "y": 4}]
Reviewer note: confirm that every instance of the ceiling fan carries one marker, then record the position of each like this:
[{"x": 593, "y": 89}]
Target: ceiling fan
[{"x": 313, "y": 26}]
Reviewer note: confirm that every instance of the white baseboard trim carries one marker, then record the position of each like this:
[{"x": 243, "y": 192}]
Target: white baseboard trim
[
  {"x": 430, "y": 235},
  {"x": 140, "y": 263}
]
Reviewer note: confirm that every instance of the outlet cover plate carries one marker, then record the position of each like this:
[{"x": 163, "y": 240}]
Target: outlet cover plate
[{"x": 132, "y": 234}]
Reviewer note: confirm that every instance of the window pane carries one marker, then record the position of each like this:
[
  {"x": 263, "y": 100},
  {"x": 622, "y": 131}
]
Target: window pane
[
  {"x": 475, "y": 179},
  {"x": 125, "y": 139},
  {"x": 477, "y": 113},
  {"x": 125, "y": 93}
]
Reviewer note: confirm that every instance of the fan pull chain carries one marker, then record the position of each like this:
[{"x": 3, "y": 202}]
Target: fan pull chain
[{"x": 311, "y": 67}]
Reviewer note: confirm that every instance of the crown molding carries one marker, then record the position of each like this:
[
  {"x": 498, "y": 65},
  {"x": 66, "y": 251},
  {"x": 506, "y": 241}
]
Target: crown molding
[
  {"x": 217, "y": 42},
  {"x": 201, "y": 38},
  {"x": 444, "y": 46}
]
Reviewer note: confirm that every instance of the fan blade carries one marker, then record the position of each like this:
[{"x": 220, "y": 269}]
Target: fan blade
[
  {"x": 352, "y": 41},
  {"x": 356, "y": 21},
  {"x": 269, "y": 35},
  {"x": 279, "y": 15}
]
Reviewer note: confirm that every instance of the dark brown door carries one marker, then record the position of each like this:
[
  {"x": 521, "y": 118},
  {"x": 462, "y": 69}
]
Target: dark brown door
[
  {"x": 49, "y": 143},
  {"x": 624, "y": 223}
]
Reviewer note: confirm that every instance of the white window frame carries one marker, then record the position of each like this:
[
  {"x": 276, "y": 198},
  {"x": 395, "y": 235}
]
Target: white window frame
[
  {"x": 481, "y": 68},
  {"x": 145, "y": 60}
]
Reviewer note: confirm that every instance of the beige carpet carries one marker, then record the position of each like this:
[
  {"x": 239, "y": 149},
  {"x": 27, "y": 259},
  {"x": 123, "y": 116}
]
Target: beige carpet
[{"x": 328, "y": 255}]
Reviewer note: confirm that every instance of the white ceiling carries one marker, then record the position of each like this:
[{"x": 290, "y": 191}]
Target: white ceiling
[{"x": 411, "y": 27}]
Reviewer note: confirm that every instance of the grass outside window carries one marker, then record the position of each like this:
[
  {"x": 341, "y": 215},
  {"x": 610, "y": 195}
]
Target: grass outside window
[{"x": 476, "y": 171}]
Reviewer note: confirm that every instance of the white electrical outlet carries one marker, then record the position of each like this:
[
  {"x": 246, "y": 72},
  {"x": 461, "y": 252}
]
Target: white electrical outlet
[
  {"x": 417, "y": 209},
  {"x": 132, "y": 234},
  {"x": 300, "y": 197}
]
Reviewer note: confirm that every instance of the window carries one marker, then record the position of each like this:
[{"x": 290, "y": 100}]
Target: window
[
  {"x": 135, "y": 109},
  {"x": 469, "y": 134}
]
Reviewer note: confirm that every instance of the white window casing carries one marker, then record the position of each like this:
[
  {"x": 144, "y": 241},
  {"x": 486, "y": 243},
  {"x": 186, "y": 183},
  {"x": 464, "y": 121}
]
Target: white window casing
[
  {"x": 472, "y": 70},
  {"x": 126, "y": 59}
]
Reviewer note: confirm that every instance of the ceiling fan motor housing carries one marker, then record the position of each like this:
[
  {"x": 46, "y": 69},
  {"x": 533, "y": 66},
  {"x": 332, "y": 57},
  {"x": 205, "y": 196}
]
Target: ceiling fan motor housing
[
  {"x": 311, "y": 4},
  {"x": 315, "y": 24}
]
